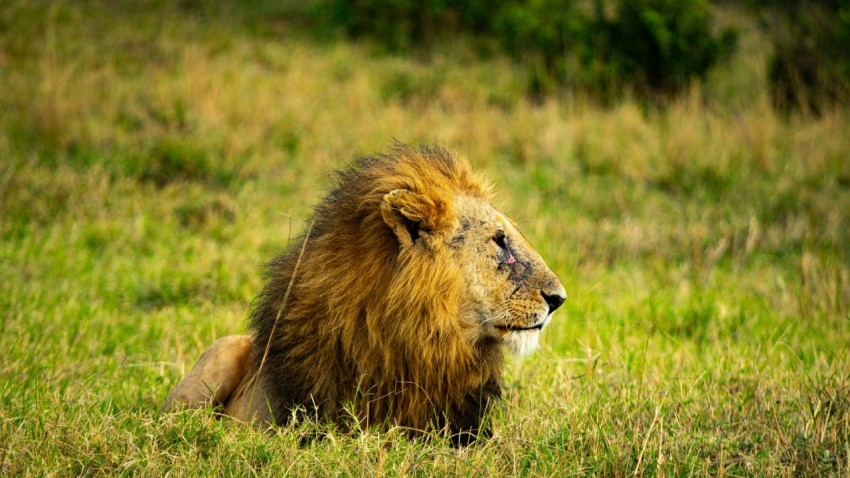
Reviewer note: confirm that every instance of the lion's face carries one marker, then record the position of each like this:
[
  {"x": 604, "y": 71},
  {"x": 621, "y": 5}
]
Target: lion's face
[
  {"x": 507, "y": 292},
  {"x": 511, "y": 293}
]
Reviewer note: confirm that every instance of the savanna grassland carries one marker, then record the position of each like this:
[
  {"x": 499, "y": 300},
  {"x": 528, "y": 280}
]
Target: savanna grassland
[{"x": 153, "y": 157}]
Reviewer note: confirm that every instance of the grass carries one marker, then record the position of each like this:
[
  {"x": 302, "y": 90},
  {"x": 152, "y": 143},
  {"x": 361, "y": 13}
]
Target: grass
[{"x": 152, "y": 159}]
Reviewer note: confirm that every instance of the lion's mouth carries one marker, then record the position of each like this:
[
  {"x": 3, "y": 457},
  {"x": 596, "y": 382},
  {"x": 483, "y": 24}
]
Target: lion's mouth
[{"x": 516, "y": 328}]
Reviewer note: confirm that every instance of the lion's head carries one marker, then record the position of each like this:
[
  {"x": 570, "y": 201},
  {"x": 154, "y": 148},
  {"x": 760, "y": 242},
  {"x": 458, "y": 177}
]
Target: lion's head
[
  {"x": 400, "y": 297},
  {"x": 509, "y": 294}
]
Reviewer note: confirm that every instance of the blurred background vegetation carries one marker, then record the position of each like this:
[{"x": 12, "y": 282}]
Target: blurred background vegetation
[
  {"x": 607, "y": 47},
  {"x": 649, "y": 47}
]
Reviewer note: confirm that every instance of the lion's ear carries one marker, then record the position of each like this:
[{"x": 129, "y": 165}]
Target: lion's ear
[{"x": 411, "y": 214}]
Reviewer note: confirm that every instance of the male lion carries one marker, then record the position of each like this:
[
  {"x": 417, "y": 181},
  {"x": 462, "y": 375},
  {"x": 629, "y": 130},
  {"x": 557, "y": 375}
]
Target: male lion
[{"x": 396, "y": 303}]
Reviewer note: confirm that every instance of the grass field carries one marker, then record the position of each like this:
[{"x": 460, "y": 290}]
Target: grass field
[{"x": 153, "y": 157}]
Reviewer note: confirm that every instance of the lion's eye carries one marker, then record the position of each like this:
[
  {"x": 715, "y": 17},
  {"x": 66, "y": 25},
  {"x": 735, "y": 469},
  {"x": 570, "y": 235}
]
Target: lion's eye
[
  {"x": 499, "y": 239},
  {"x": 507, "y": 256}
]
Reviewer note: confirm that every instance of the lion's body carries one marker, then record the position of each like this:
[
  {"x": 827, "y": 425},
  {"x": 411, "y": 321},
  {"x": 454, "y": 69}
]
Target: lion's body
[{"x": 397, "y": 302}]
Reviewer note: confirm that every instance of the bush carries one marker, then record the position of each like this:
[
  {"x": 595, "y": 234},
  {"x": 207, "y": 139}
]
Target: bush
[
  {"x": 662, "y": 45},
  {"x": 810, "y": 66},
  {"x": 651, "y": 47},
  {"x": 544, "y": 35}
]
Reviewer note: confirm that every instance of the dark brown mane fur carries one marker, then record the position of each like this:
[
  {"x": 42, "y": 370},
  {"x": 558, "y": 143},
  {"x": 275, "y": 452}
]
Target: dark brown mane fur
[{"x": 368, "y": 326}]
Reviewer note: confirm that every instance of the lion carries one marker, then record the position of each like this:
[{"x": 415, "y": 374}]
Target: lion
[{"x": 393, "y": 308}]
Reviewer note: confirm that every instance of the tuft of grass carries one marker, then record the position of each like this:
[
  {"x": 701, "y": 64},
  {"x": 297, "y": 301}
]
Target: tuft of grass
[{"x": 151, "y": 160}]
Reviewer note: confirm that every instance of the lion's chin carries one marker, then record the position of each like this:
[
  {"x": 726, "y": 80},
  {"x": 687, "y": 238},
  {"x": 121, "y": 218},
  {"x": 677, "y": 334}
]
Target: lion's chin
[{"x": 521, "y": 343}]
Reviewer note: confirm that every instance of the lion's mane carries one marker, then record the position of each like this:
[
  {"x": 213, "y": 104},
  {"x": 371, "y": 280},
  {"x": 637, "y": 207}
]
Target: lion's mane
[{"x": 364, "y": 325}]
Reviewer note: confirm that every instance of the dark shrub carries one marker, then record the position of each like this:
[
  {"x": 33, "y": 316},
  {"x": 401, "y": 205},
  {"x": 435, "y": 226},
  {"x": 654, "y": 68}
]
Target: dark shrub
[
  {"x": 662, "y": 45},
  {"x": 651, "y": 47},
  {"x": 810, "y": 65},
  {"x": 545, "y": 36}
]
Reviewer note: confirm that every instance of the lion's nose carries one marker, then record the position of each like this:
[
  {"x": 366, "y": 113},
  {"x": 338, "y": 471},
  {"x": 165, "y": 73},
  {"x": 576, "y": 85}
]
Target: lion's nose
[{"x": 554, "y": 300}]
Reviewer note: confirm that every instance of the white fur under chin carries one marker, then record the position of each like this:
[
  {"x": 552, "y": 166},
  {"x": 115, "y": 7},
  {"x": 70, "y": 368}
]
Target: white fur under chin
[{"x": 522, "y": 344}]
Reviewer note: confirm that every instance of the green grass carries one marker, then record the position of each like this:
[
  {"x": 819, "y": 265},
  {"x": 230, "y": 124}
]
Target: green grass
[{"x": 152, "y": 159}]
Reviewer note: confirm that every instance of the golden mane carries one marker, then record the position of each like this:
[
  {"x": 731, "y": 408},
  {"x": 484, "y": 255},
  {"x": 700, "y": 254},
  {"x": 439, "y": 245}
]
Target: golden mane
[{"x": 366, "y": 324}]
